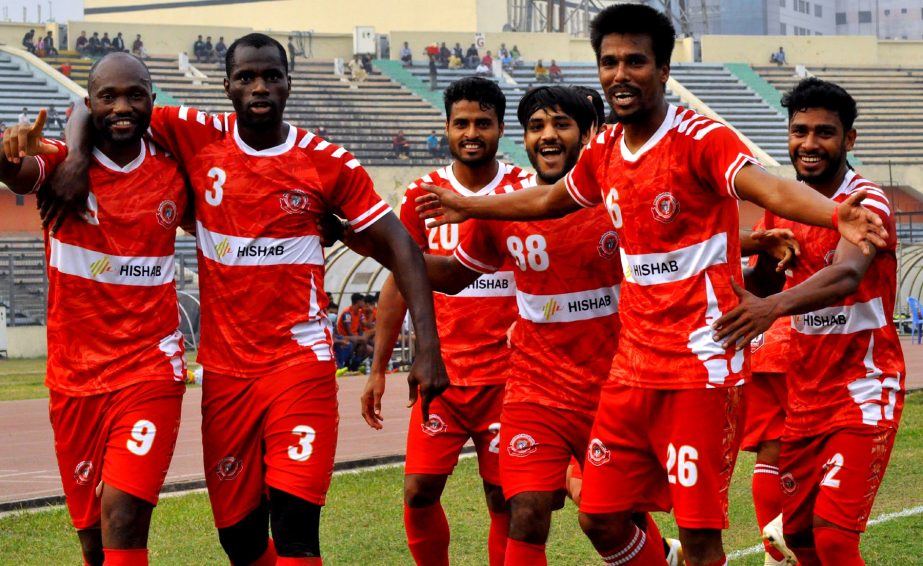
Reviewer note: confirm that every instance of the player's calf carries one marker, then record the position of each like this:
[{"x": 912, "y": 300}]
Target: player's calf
[
  {"x": 248, "y": 540},
  {"x": 295, "y": 525},
  {"x": 423, "y": 490},
  {"x": 702, "y": 547},
  {"x": 91, "y": 545}
]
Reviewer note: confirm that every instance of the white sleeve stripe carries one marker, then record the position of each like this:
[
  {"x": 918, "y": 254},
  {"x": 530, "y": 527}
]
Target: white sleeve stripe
[
  {"x": 183, "y": 113},
  {"x": 200, "y": 117},
  {"x": 226, "y": 128},
  {"x": 731, "y": 174},
  {"x": 374, "y": 210},
  {"x": 877, "y": 204},
  {"x": 216, "y": 122},
  {"x": 365, "y": 224},
  {"x": 704, "y": 131},
  {"x": 473, "y": 264},
  {"x": 322, "y": 145},
  {"x": 352, "y": 163},
  {"x": 338, "y": 153},
  {"x": 305, "y": 140},
  {"x": 575, "y": 193},
  {"x": 41, "y": 174}
]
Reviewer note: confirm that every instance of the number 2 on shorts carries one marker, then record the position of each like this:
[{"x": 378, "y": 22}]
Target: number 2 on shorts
[
  {"x": 494, "y": 446},
  {"x": 302, "y": 451}
]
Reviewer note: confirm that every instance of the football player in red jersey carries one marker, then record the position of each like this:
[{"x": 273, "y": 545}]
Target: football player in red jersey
[
  {"x": 269, "y": 396},
  {"x": 115, "y": 354},
  {"x": 669, "y": 178},
  {"x": 845, "y": 381},
  {"x": 474, "y": 348}
]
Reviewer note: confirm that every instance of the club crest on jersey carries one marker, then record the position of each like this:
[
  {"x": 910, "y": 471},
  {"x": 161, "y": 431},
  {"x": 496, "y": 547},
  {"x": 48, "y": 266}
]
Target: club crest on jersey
[
  {"x": 757, "y": 343},
  {"x": 434, "y": 425},
  {"x": 828, "y": 257},
  {"x": 294, "y": 201},
  {"x": 597, "y": 453},
  {"x": 83, "y": 472},
  {"x": 229, "y": 468},
  {"x": 522, "y": 445},
  {"x": 166, "y": 214},
  {"x": 608, "y": 245},
  {"x": 789, "y": 485},
  {"x": 665, "y": 207}
]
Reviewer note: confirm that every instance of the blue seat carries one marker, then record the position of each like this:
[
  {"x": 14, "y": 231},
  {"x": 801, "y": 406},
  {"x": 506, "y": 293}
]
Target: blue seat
[{"x": 916, "y": 318}]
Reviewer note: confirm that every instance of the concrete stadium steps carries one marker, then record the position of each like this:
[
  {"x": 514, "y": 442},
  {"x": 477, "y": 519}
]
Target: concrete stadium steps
[
  {"x": 80, "y": 66},
  {"x": 890, "y": 101},
  {"x": 23, "y": 280},
  {"x": 21, "y": 87},
  {"x": 362, "y": 117}
]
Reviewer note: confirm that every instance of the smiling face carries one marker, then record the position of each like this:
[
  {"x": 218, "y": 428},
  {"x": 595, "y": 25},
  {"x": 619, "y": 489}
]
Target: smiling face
[
  {"x": 474, "y": 133},
  {"x": 553, "y": 141},
  {"x": 119, "y": 99},
  {"x": 630, "y": 76},
  {"x": 818, "y": 144},
  {"x": 258, "y": 87}
]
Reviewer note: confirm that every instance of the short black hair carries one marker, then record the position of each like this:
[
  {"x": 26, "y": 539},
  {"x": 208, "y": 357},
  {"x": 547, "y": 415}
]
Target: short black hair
[
  {"x": 255, "y": 40},
  {"x": 356, "y": 297},
  {"x": 370, "y": 298},
  {"x": 635, "y": 19},
  {"x": 476, "y": 89},
  {"x": 596, "y": 100},
  {"x": 565, "y": 99},
  {"x": 816, "y": 93}
]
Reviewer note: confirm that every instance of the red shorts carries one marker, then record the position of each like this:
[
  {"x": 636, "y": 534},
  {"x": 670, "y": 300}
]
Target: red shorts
[
  {"x": 653, "y": 450},
  {"x": 124, "y": 438},
  {"x": 460, "y": 413},
  {"x": 764, "y": 416},
  {"x": 834, "y": 476},
  {"x": 538, "y": 444},
  {"x": 275, "y": 431}
]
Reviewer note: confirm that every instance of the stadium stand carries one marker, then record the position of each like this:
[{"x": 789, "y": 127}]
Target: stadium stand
[
  {"x": 80, "y": 67},
  {"x": 23, "y": 87},
  {"x": 890, "y": 107},
  {"x": 23, "y": 281}
]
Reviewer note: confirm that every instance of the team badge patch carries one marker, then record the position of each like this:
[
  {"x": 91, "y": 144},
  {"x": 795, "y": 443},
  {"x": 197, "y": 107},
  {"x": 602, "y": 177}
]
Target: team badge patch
[
  {"x": 608, "y": 245},
  {"x": 597, "y": 453},
  {"x": 229, "y": 468},
  {"x": 665, "y": 207},
  {"x": 757, "y": 343},
  {"x": 83, "y": 472},
  {"x": 434, "y": 425},
  {"x": 294, "y": 201},
  {"x": 522, "y": 445},
  {"x": 166, "y": 214},
  {"x": 789, "y": 485}
]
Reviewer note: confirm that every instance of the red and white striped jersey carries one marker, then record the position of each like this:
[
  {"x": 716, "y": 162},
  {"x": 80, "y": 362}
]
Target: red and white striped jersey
[
  {"x": 847, "y": 366},
  {"x": 673, "y": 206},
  {"x": 567, "y": 289},
  {"x": 472, "y": 325},
  {"x": 112, "y": 314},
  {"x": 261, "y": 263},
  {"x": 769, "y": 351}
]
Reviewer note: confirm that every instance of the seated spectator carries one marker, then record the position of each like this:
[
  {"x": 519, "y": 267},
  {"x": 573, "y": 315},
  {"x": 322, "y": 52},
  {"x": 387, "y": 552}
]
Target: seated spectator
[
  {"x": 457, "y": 51},
  {"x": 406, "y": 55},
  {"x": 66, "y": 69},
  {"x": 118, "y": 43},
  {"x": 455, "y": 61},
  {"x": 94, "y": 47},
  {"x": 432, "y": 50},
  {"x": 482, "y": 70},
  {"x": 47, "y": 47},
  {"x": 432, "y": 144},
  {"x": 507, "y": 62},
  {"x": 517, "y": 58},
  {"x": 28, "y": 41},
  {"x": 53, "y": 118},
  {"x": 209, "y": 50},
  {"x": 778, "y": 57},
  {"x": 433, "y": 74},
  {"x": 292, "y": 53},
  {"x": 444, "y": 55},
  {"x": 400, "y": 146},
  {"x": 221, "y": 50},
  {"x": 554, "y": 73},
  {"x": 356, "y": 72},
  {"x": 488, "y": 60},
  {"x": 81, "y": 44},
  {"x": 444, "y": 145},
  {"x": 541, "y": 73},
  {"x": 137, "y": 48},
  {"x": 471, "y": 57},
  {"x": 349, "y": 325},
  {"x": 105, "y": 44},
  {"x": 503, "y": 52},
  {"x": 24, "y": 116},
  {"x": 321, "y": 132},
  {"x": 198, "y": 49},
  {"x": 366, "y": 62}
]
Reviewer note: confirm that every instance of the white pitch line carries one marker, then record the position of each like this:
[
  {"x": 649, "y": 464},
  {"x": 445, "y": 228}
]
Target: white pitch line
[{"x": 883, "y": 518}]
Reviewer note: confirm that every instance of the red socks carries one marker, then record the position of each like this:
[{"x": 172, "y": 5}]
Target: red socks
[
  {"x": 519, "y": 553},
  {"x": 837, "y": 546},
  {"x": 496, "y": 538},
  {"x": 125, "y": 556},
  {"x": 806, "y": 556},
  {"x": 638, "y": 551},
  {"x": 654, "y": 538},
  {"x": 767, "y": 499},
  {"x": 289, "y": 561},
  {"x": 427, "y": 534}
]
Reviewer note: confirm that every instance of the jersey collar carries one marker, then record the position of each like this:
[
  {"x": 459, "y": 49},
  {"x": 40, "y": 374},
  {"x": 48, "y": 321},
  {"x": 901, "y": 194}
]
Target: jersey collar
[
  {"x": 465, "y": 191},
  {"x": 280, "y": 149},
  {"x": 104, "y": 160},
  {"x": 844, "y": 185},
  {"x": 665, "y": 127}
]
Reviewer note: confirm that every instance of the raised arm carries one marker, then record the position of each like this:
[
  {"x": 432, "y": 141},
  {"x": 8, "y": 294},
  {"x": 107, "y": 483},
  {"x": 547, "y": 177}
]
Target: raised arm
[
  {"x": 70, "y": 184},
  {"x": 19, "y": 170}
]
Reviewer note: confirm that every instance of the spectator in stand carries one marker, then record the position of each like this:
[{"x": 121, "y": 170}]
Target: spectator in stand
[
  {"x": 209, "y": 50},
  {"x": 472, "y": 58},
  {"x": 482, "y": 70},
  {"x": 432, "y": 144},
  {"x": 488, "y": 60},
  {"x": 28, "y": 41},
  {"x": 198, "y": 49},
  {"x": 541, "y": 73},
  {"x": 400, "y": 146},
  {"x": 118, "y": 43},
  {"x": 24, "y": 116},
  {"x": 371, "y": 317},
  {"x": 94, "y": 47},
  {"x": 105, "y": 44},
  {"x": 444, "y": 54},
  {"x": 54, "y": 119},
  {"x": 137, "y": 48},
  {"x": 778, "y": 57},
  {"x": 366, "y": 62},
  {"x": 321, "y": 132},
  {"x": 503, "y": 52},
  {"x": 81, "y": 44},
  {"x": 507, "y": 62},
  {"x": 349, "y": 326},
  {"x": 342, "y": 346},
  {"x": 48, "y": 48},
  {"x": 66, "y": 69},
  {"x": 433, "y": 73},
  {"x": 292, "y": 53},
  {"x": 2, "y": 129},
  {"x": 457, "y": 51},
  {"x": 356, "y": 72},
  {"x": 517, "y": 57},
  {"x": 432, "y": 50},
  {"x": 444, "y": 145},
  {"x": 554, "y": 73},
  {"x": 406, "y": 55},
  {"x": 221, "y": 50},
  {"x": 455, "y": 61}
]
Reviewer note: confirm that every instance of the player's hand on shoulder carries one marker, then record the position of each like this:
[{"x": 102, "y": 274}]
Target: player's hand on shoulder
[
  {"x": 70, "y": 187},
  {"x": 860, "y": 225},
  {"x": 750, "y": 318},
  {"x": 371, "y": 400},
  {"x": 23, "y": 140},
  {"x": 780, "y": 243},
  {"x": 440, "y": 206}
]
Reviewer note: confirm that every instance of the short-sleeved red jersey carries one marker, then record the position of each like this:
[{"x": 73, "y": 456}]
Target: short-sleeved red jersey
[
  {"x": 472, "y": 325},
  {"x": 673, "y": 206},
  {"x": 847, "y": 366},
  {"x": 260, "y": 257},
  {"x": 567, "y": 288},
  {"x": 769, "y": 351},
  {"x": 112, "y": 315}
]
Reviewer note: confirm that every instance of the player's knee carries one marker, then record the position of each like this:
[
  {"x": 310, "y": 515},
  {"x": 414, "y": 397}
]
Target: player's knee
[
  {"x": 530, "y": 517},
  {"x": 801, "y": 539},
  {"x": 608, "y": 529},
  {"x": 127, "y": 520},
  {"x": 423, "y": 490},
  {"x": 701, "y": 546},
  {"x": 496, "y": 503},
  {"x": 245, "y": 541},
  {"x": 768, "y": 452},
  {"x": 295, "y": 525}
]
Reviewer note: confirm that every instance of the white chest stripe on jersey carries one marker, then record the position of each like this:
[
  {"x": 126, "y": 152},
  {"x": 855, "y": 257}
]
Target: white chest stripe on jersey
[
  {"x": 242, "y": 251},
  {"x": 499, "y": 284},
  {"x": 670, "y": 267},
  {"x": 847, "y": 319},
  {"x": 138, "y": 271},
  {"x": 568, "y": 307}
]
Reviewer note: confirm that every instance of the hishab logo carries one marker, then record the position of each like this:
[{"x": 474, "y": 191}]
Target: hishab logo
[
  {"x": 223, "y": 248},
  {"x": 551, "y": 308},
  {"x": 100, "y": 266}
]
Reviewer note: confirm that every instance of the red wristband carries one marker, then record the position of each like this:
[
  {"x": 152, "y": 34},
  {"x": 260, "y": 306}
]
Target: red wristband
[{"x": 836, "y": 217}]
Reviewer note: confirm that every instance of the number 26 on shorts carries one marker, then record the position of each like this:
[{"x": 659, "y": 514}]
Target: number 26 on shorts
[{"x": 681, "y": 465}]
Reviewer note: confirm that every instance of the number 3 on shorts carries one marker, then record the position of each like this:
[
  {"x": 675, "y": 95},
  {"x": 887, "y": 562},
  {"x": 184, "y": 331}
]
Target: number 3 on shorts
[
  {"x": 684, "y": 460},
  {"x": 302, "y": 451}
]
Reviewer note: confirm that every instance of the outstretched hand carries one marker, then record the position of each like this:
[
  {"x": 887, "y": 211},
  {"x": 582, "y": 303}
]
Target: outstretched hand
[
  {"x": 750, "y": 318},
  {"x": 23, "y": 140},
  {"x": 859, "y": 225},
  {"x": 780, "y": 243},
  {"x": 441, "y": 206},
  {"x": 371, "y": 400}
]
